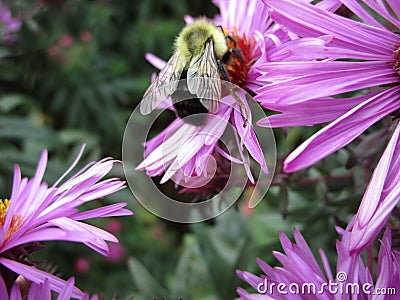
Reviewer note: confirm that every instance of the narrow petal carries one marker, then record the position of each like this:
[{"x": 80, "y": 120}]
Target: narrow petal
[
  {"x": 324, "y": 79},
  {"x": 112, "y": 210},
  {"x": 342, "y": 131},
  {"x": 395, "y": 6},
  {"x": 308, "y": 113},
  {"x": 155, "y": 61},
  {"x": 15, "y": 293},
  {"x": 3, "y": 289},
  {"x": 38, "y": 276},
  {"x": 307, "y": 20},
  {"x": 67, "y": 291},
  {"x": 373, "y": 194},
  {"x": 72, "y": 166}
]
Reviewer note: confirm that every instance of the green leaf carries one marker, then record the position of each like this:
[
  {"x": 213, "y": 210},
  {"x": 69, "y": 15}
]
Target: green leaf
[
  {"x": 225, "y": 249},
  {"x": 10, "y": 102},
  {"x": 144, "y": 281},
  {"x": 191, "y": 280}
]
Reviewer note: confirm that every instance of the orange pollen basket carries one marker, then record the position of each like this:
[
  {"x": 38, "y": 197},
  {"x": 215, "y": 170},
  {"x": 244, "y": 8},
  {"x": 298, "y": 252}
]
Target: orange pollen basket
[{"x": 238, "y": 67}]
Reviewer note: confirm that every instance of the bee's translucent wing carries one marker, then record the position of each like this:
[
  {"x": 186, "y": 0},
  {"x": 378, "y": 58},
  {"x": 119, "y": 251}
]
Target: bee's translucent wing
[
  {"x": 203, "y": 78},
  {"x": 164, "y": 85}
]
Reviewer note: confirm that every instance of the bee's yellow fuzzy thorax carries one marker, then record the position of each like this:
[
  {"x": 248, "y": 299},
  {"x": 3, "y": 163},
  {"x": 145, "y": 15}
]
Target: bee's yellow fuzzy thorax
[{"x": 192, "y": 39}]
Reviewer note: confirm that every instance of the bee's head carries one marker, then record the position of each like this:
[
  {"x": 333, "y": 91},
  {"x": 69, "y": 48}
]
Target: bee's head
[{"x": 192, "y": 39}]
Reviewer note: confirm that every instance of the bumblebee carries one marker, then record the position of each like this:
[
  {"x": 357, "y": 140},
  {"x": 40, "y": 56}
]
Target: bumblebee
[{"x": 193, "y": 73}]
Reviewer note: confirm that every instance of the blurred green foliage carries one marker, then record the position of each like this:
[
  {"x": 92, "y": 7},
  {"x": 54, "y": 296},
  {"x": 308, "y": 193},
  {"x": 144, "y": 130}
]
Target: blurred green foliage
[{"x": 73, "y": 75}]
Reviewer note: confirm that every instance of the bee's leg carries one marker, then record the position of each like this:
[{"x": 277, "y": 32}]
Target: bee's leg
[
  {"x": 223, "y": 70},
  {"x": 243, "y": 107},
  {"x": 232, "y": 39},
  {"x": 235, "y": 51}
]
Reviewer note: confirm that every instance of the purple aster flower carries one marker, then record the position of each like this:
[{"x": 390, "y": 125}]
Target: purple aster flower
[
  {"x": 36, "y": 213},
  {"x": 380, "y": 198},
  {"x": 301, "y": 277},
  {"x": 303, "y": 91},
  {"x": 182, "y": 151},
  {"x": 8, "y": 24},
  {"x": 26, "y": 290}
]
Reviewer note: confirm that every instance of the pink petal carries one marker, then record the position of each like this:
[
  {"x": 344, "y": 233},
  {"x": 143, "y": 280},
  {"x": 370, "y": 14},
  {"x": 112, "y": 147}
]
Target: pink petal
[
  {"x": 372, "y": 196},
  {"x": 342, "y": 131},
  {"x": 307, "y": 20},
  {"x": 155, "y": 61},
  {"x": 308, "y": 113},
  {"x": 74, "y": 163},
  {"x": 324, "y": 79},
  {"x": 112, "y": 210},
  {"x": 38, "y": 276}
]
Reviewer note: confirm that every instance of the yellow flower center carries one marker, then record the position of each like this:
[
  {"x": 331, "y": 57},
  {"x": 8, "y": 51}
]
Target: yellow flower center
[
  {"x": 15, "y": 221},
  {"x": 3, "y": 210}
]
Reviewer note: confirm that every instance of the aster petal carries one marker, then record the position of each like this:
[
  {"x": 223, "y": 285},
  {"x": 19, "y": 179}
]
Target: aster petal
[
  {"x": 38, "y": 276},
  {"x": 40, "y": 291},
  {"x": 40, "y": 168},
  {"x": 168, "y": 149},
  {"x": 307, "y": 20},
  {"x": 15, "y": 293},
  {"x": 246, "y": 296},
  {"x": 298, "y": 268},
  {"x": 367, "y": 17},
  {"x": 205, "y": 136},
  {"x": 112, "y": 210},
  {"x": 343, "y": 130},
  {"x": 329, "y": 5},
  {"x": 296, "y": 271},
  {"x": 298, "y": 49},
  {"x": 36, "y": 235},
  {"x": 93, "y": 233},
  {"x": 155, "y": 61},
  {"x": 395, "y": 6},
  {"x": 67, "y": 291},
  {"x": 323, "y": 79},
  {"x": 102, "y": 189},
  {"x": 385, "y": 268},
  {"x": 305, "y": 252},
  {"x": 72, "y": 166},
  {"x": 89, "y": 177},
  {"x": 250, "y": 140},
  {"x": 374, "y": 190},
  {"x": 266, "y": 268},
  {"x": 16, "y": 182},
  {"x": 153, "y": 143},
  {"x": 253, "y": 280},
  {"x": 362, "y": 237},
  {"x": 362, "y": 13},
  {"x": 3, "y": 289},
  {"x": 243, "y": 157},
  {"x": 227, "y": 156},
  {"x": 376, "y": 206},
  {"x": 325, "y": 263},
  {"x": 315, "y": 111},
  {"x": 254, "y": 17}
]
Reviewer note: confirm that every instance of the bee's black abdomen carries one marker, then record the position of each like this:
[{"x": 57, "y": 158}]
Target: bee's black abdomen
[
  {"x": 191, "y": 107},
  {"x": 187, "y": 104}
]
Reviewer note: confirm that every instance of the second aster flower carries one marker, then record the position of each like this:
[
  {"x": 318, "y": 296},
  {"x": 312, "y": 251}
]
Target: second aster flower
[{"x": 36, "y": 213}]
